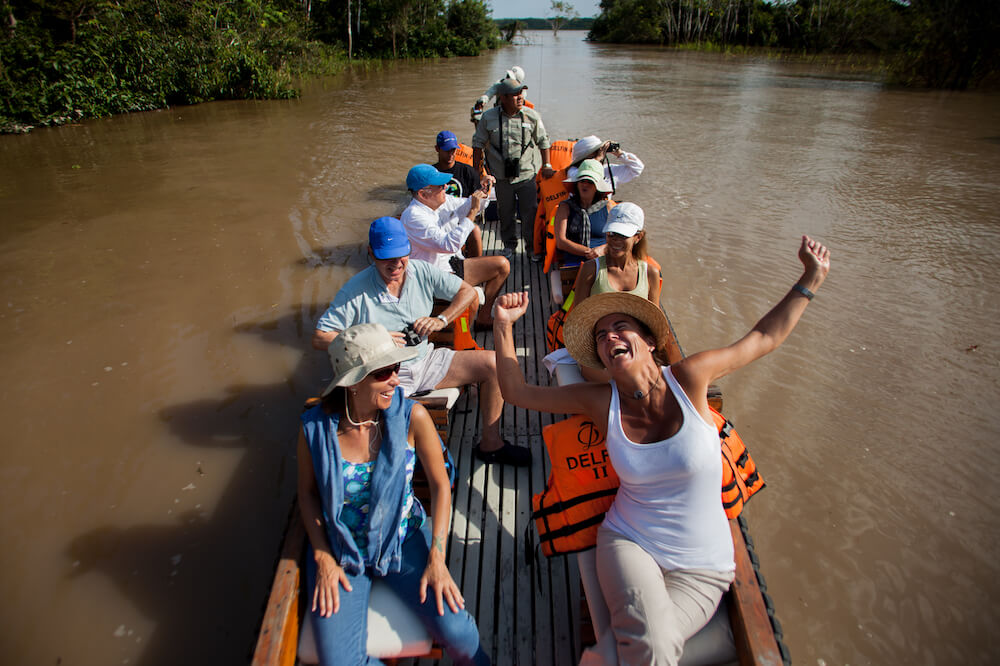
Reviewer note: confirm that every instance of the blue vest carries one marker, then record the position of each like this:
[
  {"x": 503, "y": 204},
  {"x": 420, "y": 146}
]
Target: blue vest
[{"x": 388, "y": 487}]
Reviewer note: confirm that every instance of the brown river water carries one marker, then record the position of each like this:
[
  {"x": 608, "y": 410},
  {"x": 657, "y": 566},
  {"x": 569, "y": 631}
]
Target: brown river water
[{"x": 161, "y": 273}]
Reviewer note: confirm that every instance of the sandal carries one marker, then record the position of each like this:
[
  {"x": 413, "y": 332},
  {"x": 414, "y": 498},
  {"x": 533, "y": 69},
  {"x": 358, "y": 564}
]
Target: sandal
[{"x": 508, "y": 454}]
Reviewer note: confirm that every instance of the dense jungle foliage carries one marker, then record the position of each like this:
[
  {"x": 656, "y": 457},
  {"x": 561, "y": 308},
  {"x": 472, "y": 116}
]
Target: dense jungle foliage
[
  {"x": 66, "y": 59},
  {"x": 937, "y": 43}
]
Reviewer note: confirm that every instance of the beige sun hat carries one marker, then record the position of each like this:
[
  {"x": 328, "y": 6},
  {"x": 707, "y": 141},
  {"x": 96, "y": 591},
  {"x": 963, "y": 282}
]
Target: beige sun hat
[
  {"x": 361, "y": 349},
  {"x": 593, "y": 171},
  {"x": 579, "y": 329}
]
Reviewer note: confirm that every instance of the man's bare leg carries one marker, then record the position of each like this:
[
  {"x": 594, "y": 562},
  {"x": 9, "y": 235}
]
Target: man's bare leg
[
  {"x": 491, "y": 272},
  {"x": 479, "y": 367}
]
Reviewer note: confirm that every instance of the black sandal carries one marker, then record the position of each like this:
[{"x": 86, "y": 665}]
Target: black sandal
[{"x": 508, "y": 454}]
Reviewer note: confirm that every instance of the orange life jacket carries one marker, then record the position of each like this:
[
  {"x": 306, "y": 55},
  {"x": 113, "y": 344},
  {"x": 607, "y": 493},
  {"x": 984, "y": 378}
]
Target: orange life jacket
[
  {"x": 740, "y": 480},
  {"x": 583, "y": 482},
  {"x": 464, "y": 154},
  {"x": 551, "y": 190},
  {"x": 554, "y": 327},
  {"x": 580, "y": 489}
]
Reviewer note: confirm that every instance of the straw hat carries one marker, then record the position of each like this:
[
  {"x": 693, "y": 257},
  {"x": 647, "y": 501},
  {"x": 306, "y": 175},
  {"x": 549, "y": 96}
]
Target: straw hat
[
  {"x": 579, "y": 329},
  {"x": 360, "y": 350}
]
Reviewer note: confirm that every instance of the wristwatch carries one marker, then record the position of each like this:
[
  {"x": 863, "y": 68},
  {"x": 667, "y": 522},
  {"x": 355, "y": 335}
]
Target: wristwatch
[{"x": 444, "y": 320}]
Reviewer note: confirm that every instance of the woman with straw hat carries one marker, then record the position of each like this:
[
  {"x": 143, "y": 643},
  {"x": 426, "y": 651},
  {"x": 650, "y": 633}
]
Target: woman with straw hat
[
  {"x": 580, "y": 220},
  {"x": 664, "y": 551},
  {"x": 357, "y": 450}
]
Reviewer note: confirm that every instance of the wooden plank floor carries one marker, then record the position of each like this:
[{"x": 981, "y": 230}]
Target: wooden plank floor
[{"x": 527, "y": 606}]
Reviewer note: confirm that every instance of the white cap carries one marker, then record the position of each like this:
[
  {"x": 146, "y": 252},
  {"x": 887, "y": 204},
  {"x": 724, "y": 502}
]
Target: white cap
[
  {"x": 584, "y": 147},
  {"x": 625, "y": 219},
  {"x": 517, "y": 72}
]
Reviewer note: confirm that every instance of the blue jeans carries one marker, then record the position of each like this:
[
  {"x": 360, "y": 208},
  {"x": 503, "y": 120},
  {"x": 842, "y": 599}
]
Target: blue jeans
[{"x": 342, "y": 638}]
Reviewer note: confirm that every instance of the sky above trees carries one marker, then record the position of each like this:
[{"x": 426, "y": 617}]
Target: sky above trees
[{"x": 539, "y": 8}]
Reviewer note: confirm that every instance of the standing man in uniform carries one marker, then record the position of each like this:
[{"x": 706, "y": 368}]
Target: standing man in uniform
[{"x": 513, "y": 140}]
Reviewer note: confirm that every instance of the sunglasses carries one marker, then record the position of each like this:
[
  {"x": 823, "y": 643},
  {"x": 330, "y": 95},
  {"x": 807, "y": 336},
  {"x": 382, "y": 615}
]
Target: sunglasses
[{"x": 383, "y": 374}]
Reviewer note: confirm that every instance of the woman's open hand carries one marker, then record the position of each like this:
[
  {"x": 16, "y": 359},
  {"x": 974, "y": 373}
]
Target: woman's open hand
[
  {"x": 510, "y": 307},
  {"x": 437, "y": 576},
  {"x": 329, "y": 577},
  {"x": 815, "y": 257}
]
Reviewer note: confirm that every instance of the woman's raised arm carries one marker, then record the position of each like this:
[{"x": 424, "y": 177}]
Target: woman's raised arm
[
  {"x": 586, "y": 398},
  {"x": 697, "y": 371}
]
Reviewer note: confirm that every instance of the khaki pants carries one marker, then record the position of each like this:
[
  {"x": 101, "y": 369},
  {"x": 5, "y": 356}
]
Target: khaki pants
[{"x": 653, "y": 610}]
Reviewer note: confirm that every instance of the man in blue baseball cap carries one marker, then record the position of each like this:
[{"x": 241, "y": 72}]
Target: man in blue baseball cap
[
  {"x": 399, "y": 293},
  {"x": 440, "y": 225},
  {"x": 464, "y": 180}
]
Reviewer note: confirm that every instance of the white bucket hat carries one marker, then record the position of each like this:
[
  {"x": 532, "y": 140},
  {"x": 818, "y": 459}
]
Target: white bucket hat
[
  {"x": 593, "y": 171},
  {"x": 361, "y": 349},
  {"x": 625, "y": 219},
  {"x": 584, "y": 147}
]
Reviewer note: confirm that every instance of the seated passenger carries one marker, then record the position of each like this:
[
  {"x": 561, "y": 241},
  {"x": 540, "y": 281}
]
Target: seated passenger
[
  {"x": 464, "y": 179},
  {"x": 399, "y": 294},
  {"x": 622, "y": 267},
  {"x": 592, "y": 148},
  {"x": 357, "y": 450},
  {"x": 664, "y": 551},
  {"x": 439, "y": 225},
  {"x": 580, "y": 220}
]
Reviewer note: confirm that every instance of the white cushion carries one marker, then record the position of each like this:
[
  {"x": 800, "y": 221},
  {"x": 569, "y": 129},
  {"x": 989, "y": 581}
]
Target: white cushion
[
  {"x": 393, "y": 629},
  {"x": 568, "y": 373},
  {"x": 713, "y": 645}
]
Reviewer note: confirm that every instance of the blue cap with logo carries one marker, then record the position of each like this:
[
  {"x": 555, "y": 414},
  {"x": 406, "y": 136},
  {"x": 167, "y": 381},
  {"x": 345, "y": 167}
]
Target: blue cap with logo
[
  {"x": 423, "y": 175},
  {"x": 447, "y": 140},
  {"x": 387, "y": 238}
]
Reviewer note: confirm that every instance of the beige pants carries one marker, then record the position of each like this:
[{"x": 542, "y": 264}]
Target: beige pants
[{"x": 653, "y": 610}]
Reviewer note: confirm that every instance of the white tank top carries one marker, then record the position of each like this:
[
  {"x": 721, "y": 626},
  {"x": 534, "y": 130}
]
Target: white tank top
[{"x": 670, "y": 500}]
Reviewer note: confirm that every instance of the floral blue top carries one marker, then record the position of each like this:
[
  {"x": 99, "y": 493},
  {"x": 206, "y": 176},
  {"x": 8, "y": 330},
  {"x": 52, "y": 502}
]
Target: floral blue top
[{"x": 357, "y": 495}]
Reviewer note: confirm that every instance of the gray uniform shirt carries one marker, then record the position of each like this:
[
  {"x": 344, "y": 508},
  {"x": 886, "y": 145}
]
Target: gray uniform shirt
[{"x": 523, "y": 136}]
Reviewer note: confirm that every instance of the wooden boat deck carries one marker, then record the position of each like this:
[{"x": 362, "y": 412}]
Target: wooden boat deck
[{"x": 527, "y": 608}]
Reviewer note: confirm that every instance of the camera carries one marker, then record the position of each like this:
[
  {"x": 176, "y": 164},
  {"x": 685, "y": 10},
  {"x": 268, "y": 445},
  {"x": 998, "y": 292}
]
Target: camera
[
  {"x": 412, "y": 337},
  {"x": 511, "y": 167},
  {"x": 612, "y": 146}
]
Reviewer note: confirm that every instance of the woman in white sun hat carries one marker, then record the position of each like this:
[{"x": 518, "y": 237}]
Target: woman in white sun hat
[
  {"x": 357, "y": 450},
  {"x": 580, "y": 220},
  {"x": 664, "y": 551},
  {"x": 592, "y": 148}
]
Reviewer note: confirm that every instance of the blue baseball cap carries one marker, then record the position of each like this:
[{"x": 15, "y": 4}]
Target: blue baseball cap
[
  {"x": 387, "y": 238},
  {"x": 423, "y": 175},
  {"x": 447, "y": 140}
]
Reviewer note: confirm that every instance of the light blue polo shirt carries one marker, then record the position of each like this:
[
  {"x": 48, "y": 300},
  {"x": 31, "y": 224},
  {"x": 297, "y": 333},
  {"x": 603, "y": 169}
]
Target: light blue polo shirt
[{"x": 365, "y": 298}]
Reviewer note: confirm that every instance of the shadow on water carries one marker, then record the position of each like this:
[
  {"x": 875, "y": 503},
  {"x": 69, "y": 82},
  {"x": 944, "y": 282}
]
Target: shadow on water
[{"x": 201, "y": 579}]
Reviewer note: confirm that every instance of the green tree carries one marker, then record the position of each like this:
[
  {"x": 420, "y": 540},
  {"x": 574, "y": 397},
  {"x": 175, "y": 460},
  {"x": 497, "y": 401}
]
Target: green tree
[{"x": 559, "y": 13}]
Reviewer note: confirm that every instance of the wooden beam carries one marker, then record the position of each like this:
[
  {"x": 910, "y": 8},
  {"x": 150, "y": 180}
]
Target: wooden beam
[{"x": 752, "y": 630}]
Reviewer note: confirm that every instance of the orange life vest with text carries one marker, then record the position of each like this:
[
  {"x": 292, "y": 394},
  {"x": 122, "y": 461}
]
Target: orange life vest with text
[
  {"x": 583, "y": 483},
  {"x": 580, "y": 490},
  {"x": 464, "y": 154}
]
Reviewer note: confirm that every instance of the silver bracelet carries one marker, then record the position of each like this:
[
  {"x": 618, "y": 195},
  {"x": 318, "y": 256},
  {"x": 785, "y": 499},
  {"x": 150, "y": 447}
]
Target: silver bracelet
[
  {"x": 444, "y": 320},
  {"x": 802, "y": 290}
]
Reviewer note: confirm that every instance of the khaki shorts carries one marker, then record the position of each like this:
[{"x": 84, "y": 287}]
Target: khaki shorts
[{"x": 424, "y": 374}]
